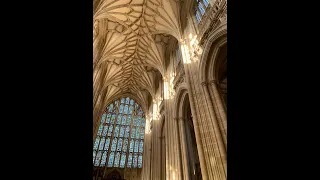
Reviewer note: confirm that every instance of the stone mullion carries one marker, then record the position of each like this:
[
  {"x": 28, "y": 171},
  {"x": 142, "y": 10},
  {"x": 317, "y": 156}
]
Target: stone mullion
[
  {"x": 197, "y": 125},
  {"x": 216, "y": 97},
  {"x": 184, "y": 157},
  {"x": 218, "y": 146}
]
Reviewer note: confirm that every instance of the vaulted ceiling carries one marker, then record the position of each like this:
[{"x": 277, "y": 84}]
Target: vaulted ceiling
[{"x": 129, "y": 40}]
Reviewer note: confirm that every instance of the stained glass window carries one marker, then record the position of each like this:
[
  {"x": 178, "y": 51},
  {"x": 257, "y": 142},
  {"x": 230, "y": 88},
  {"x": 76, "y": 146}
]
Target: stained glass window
[
  {"x": 104, "y": 156},
  {"x": 129, "y": 160},
  {"x": 133, "y": 132},
  {"x": 137, "y": 133},
  {"x": 131, "y": 145},
  {"x": 140, "y": 161},
  {"x": 127, "y": 132},
  {"x": 116, "y": 160},
  {"x": 101, "y": 143},
  {"x": 114, "y": 144},
  {"x": 121, "y": 131},
  {"x": 141, "y": 147},
  {"x": 135, "y": 160},
  {"x": 125, "y": 145},
  {"x": 120, "y": 134},
  {"x": 111, "y": 157},
  {"x": 136, "y": 145},
  {"x": 119, "y": 118},
  {"x": 106, "y": 146},
  {"x": 202, "y": 11},
  {"x": 116, "y": 131},
  {"x": 119, "y": 145},
  {"x": 124, "y": 118},
  {"x": 123, "y": 160}
]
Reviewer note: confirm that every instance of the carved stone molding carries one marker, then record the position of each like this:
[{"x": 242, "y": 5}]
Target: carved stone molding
[
  {"x": 214, "y": 16},
  {"x": 204, "y": 83},
  {"x": 179, "y": 81}
]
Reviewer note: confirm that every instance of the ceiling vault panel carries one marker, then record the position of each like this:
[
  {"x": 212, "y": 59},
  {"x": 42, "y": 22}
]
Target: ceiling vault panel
[{"x": 129, "y": 41}]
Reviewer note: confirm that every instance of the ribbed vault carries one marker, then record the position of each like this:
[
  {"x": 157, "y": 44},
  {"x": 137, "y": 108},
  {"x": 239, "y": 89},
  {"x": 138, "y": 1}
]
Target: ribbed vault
[{"x": 129, "y": 40}]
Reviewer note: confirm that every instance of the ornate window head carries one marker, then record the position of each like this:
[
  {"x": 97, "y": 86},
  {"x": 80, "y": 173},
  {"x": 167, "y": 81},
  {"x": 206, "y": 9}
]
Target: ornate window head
[{"x": 120, "y": 137}]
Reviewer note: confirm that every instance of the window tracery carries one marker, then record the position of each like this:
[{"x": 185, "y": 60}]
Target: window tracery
[{"x": 119, "y": 141}]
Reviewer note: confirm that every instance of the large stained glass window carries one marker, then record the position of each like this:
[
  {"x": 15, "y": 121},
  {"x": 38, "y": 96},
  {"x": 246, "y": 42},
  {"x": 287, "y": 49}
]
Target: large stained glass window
[{"x": 120, "y": 136}]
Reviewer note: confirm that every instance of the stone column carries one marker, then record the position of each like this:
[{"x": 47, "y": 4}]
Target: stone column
[
  {"x": 201, "y": 154},
  {"x": 183, "y": 148},
  {"x": 220, "y": 109},
  {"x": 221, "y": 150}
]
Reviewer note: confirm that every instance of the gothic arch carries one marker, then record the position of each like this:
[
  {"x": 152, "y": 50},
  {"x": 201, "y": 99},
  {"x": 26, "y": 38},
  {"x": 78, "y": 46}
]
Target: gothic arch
[
  {"x": 215, "y": 40},
  {"x": 182, "y": 91}
]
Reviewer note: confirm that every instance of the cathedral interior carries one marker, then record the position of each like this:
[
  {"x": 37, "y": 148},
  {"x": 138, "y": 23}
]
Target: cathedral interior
[{"x": 159, "y": 89}]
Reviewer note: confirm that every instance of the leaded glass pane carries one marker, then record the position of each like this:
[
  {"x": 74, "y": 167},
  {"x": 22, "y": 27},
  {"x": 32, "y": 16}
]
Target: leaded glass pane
[
  {"x": 110, "y": 130},
  {"x": 127, "y": 132},
  {"x": 140, "y": 111},
  {"x": 124, "y": 119},
  {"x": 140, "y": 161},
  {"x": 121, "y": 108},
  {"x": 98, "y": 159},
  {"x": 141, "y": 146},
  {"x": 133, "y": 132},
  {"x": 122, "y": 100},
  {"x": 129, "y": 120},
  {"x": 110, "y": 107},
  {"x": 110, "y": 161},
  {"x": 135, "y": 160},
  {"x": 101, "y": 143},
  {"x": 137, "y": 105},
  {"x": 119, "y": 118},
  {"x": 130, "y": 109},
  {"x": 106, "y": 146},
  {"x": 206, "y": 3},
  {"x": 114, "y": 144},
  {"x": 108, "y": 118},
  {"x": 116, "y": 160},
  {"x": 125, "y": 111},
  {"x": 131, "y": 101},
  {"x": 121, "y": 131},
  {"x": 103, "y": 117},
  {"x": 136, "y": 146},
  {"x": 116, "y": 131},
  {"x": 104, "y": 157},
  {"x": 142, "y": 122},
  {"x": 198, "y": 16},
  {"x": 125, "y": 145},
  {"x": 127, "y": 100},
  {"x": 119, "y": 144},
  {"x": 135, "y": 119},
  {"x": 105, "y": 130},
  {"x": 123, "y": 160},
  {"x": 96, "y": 144},
  {"x": 94, "y": 155},
  {"x": 129, "y": 160},
  {"x": 113, "y": 117},
  {"x": 139, "y": 120},
  {"x": 131, "y": 145},
  {"x": 137, "y": 133},
  {"x": 142, "y": 133},
  {"x": 202, "y": 11},
  {"x": 100, "y": 130}
]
